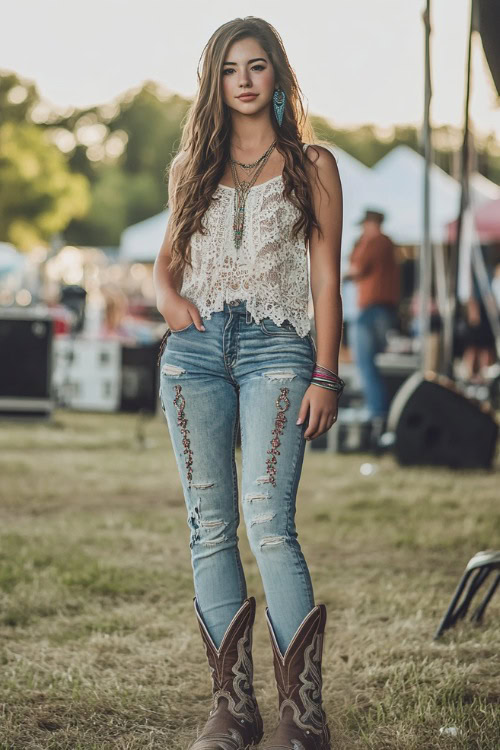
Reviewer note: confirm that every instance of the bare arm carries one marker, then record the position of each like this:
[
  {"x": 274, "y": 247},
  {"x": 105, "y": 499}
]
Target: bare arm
[
  {"x": 325, "y": 261},
  {"x": 324, "y": 250},
  {"x": 176, "y": 310}
]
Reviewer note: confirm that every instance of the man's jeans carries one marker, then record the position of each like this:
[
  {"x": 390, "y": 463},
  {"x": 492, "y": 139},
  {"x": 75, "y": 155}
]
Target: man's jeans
[
  {"x": 370, "y": 338},
  {"x": 256, "y": 373}
]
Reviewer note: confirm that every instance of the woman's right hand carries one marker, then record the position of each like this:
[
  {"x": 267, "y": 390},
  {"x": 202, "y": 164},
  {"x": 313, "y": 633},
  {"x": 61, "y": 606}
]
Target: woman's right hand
[{"x": 178, "y": 312}]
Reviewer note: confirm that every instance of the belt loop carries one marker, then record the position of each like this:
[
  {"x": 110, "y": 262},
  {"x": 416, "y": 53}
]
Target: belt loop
[{"x": 248, "y": 316}]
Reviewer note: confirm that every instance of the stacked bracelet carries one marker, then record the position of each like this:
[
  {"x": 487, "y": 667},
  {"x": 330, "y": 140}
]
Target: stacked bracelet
[{"x": 325, "y": 378}]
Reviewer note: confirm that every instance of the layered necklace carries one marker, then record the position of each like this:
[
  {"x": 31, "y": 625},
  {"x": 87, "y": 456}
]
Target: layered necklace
[{"x": 242, "y": 188}]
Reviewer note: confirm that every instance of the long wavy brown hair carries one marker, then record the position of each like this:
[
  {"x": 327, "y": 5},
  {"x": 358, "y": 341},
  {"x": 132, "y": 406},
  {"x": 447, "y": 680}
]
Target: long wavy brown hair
[{"x": 205, "y": 142}]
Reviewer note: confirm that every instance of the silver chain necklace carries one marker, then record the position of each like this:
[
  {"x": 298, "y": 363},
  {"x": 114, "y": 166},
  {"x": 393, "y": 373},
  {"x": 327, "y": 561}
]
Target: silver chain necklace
[
  {"x": 248, "y": 167},
  {"x": 242, "y": 188}
]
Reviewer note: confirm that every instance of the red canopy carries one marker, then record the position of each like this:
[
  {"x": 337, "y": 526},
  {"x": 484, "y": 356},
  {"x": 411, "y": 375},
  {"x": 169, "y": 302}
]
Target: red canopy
[{"x": 487, "y": 219}]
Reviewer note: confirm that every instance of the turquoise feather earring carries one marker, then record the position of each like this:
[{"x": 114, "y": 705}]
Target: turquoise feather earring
[{"x": 279, "y": 99}]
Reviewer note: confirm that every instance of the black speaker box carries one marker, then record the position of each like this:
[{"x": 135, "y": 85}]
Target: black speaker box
[
  {"x": 435, "y": 424},
  {"x": 25, "y": 362}
]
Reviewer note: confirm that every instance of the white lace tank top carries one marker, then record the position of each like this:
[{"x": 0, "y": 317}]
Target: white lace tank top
[{"x": 270, "y": 270}]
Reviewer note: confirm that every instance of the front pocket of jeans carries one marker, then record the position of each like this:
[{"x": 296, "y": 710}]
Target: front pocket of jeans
[
  {"x": 180, "y": 330},
  {"x": 270, "y": 328}
]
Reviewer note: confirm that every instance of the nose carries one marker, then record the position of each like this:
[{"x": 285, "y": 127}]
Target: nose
[{"x": 244, "y": 79}]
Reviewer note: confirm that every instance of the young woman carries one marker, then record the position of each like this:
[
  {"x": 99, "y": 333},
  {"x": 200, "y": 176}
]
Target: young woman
[{"x": 248, "y": 199}]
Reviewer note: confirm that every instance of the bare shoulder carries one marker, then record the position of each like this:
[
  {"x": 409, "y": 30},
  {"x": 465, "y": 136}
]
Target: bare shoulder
[
  {"x": 323, "y": 173},
  {"x": 325, "y": 162}
]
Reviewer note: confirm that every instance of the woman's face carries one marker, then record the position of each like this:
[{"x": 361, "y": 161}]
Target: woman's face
[{"x": 247, "y": 70}]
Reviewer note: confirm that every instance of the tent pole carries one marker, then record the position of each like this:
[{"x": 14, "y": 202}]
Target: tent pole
[
  {"x": 425, "y": 258},
  {"x": 450, "y": 322}
]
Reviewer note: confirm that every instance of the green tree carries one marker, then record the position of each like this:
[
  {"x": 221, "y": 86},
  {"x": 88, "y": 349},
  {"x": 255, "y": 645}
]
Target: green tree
[
  {"x": 151, "y": 122},
  {"x": 38, "y": 194},
  {"x": 363, "y": 142},
  {"x": 17, "y": 98}
]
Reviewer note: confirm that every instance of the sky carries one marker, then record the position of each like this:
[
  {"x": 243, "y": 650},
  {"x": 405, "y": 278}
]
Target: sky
[{"x": 357, "y": 61}]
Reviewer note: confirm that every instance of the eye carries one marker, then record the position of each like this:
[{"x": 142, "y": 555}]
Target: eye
[{"x": 257, "y": 67}]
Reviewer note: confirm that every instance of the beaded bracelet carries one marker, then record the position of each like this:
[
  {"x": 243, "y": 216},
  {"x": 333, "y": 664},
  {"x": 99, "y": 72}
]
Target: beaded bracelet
[{"x": 326, "y": 378}]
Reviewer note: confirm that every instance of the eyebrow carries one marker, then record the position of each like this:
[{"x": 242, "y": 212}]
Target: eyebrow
[{"x": 255, "y": 59}]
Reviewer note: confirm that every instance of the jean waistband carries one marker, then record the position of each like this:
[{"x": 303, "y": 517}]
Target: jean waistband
[{"x": 236, "y": 306}]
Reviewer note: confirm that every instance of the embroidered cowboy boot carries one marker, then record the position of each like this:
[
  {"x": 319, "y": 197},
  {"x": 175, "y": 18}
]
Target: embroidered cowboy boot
[
  {"x": 302, "y": 724},
  {"x": 234, "y": 723}
]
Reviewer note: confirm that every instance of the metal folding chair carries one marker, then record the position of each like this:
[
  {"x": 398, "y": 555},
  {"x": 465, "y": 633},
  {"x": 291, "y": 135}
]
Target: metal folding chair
[{"x": 478, "y": 569}]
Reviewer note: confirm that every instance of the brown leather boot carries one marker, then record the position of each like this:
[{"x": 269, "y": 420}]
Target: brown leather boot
[
  {"x": 234, "y": 723},
  {"x": 302, "y": 723}
]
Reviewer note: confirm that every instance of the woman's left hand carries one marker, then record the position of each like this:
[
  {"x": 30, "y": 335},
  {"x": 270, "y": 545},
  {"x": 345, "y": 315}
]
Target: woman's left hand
[{"x": 322, "y": 405}]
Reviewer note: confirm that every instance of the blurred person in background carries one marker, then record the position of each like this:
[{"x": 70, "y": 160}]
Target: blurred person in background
[
  {"x": 115, "y": 310},
  {"x": 118, "y": 322},
  {"x": 479, "y": 339},
  {"x": 374, "y": 268}
]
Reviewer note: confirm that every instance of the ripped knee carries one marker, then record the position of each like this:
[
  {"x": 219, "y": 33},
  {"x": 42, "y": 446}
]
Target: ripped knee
[
  {"x": 208, "y": 533},
  {"x": 271, "y": 541}
]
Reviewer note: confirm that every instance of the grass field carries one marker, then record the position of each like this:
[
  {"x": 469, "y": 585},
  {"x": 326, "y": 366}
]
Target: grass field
[{"x": 99, "y": 647}]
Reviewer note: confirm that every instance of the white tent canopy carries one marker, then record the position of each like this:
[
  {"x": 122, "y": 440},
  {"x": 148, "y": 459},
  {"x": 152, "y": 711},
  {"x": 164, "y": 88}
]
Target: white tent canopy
[
  {"x": 361, "y": 189},
  {"x": 141, "y": 242},
  {"x": 401, "y": 172}
]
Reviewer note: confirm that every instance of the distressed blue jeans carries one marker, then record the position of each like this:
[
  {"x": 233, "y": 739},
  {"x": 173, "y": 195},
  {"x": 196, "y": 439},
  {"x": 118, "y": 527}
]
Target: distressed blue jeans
[
  {"x": 253, "y": 374},
  {"x": 370, "y": 338}
]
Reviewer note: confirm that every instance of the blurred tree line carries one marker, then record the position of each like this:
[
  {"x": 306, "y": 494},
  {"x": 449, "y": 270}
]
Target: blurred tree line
[{"x": 89, "y": 173}]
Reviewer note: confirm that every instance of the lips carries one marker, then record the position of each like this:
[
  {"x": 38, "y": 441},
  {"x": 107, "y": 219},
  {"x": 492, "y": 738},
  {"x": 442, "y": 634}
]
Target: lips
[{"x": 247, "y": 97}]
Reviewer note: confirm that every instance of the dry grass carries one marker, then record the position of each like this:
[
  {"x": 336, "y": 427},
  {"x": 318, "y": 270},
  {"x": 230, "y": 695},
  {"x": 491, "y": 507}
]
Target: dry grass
[{"x": 99, "y": 647}]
